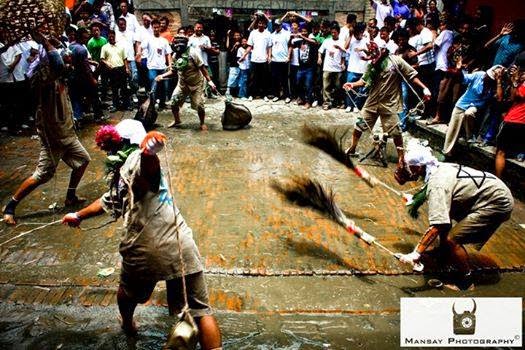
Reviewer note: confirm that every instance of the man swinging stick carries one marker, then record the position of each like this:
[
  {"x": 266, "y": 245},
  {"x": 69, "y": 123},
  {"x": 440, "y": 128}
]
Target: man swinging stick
[
  {"x": 478, "y": 201},
  {"x": 150, "y": 245},
  {"x": 383, "y": 79},
  {"x": 54, "y": 122}
]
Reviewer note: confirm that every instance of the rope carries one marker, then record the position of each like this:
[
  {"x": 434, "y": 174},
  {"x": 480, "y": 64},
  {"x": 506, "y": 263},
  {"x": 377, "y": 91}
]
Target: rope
[
  {"x": 30, "y": 231},
  {"x": 182, "y": 265}
]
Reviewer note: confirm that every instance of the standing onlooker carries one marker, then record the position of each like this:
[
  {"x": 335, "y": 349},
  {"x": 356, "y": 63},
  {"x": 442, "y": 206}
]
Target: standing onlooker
[
  {"x": 423, "y": 40},
  {"x": 333, "y": 68},
  {"x": 509, "y": 43},
  {"x": 442, "y": 45},
  {"x": 213, "y": 61},
  {"x": 11, "y": 72},
  {"x": 159, "y": 52},
  {"x": 405, "y": 50},
  {"x": 131, "y": 20},
  {"x": 243, "y": 55},
  {"x": 384, "y": 40},
  {"x": 202, "y": 44},
  {"x": 357, "y": 62},
  {"x": 115, "y": 61},
  {"x": 126, "y": 40},
  {"x": 293, "y": 57},
  {"x": 382, "y": 9},
  {"x": 400, "y": 9},
  {"x": 347, "y": 30},
  {"x": 165, "y": 29},
  {"x": 307, "y": 66},
  {"x": 259, "y": 44},
  {"x": 94, "y": 45},
  {"x": 232, "y": 46},
  {"x": 279, "y": 63},
  {"x": 322, "y": 34},
  {"x": 143, "y": 34},
  {"x": 107, "y": 9}
]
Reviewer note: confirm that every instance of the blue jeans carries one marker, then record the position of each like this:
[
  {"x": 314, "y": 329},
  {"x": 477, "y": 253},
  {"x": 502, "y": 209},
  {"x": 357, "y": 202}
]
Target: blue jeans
[
  {"x": 243, "y": 82},
  {"x": 359, "y": 101},
  {"x": 403, "y": 116},
  {"x": 305, "y": 78},
  {"x": 233, "y": 77},
  {"x": 161, "y": 87},
  {"x": 134, "y": 81}
]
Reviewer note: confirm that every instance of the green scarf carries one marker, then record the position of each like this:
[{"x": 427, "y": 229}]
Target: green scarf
[
  {"x": 417, "y": 201},
  {"x": 373, "y": 70}
]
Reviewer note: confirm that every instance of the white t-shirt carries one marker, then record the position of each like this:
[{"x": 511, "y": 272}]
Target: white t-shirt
[
  {"x": 344, "y": 33},
  {"x": 245, "y": 64},
  {"x": 158, "y": 48},
  {"x": 356, "y": 63},
  {"x": 8, "y": 57},
  {"x": 280, "y": 45},
  {"x": 126, "y": 40},
  {"x": 332, "y": 58},
  {"x": 260, "y": 42},
  {"x": 382, "y": 11},
  {"x": 131, "y": 22},
  {"x": 295, "y": 51},
  {"x": 391, "y": 46},
  {"x": 143, "y": 34},
  {"x": 441, "y": 46},
  {"x": 421, "y": 40},
  {"x": 196, "y": 42}
]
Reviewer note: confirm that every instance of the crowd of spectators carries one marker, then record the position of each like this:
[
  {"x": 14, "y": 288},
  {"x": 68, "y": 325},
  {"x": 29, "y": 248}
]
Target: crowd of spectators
[{"x": 476, "y": 79}]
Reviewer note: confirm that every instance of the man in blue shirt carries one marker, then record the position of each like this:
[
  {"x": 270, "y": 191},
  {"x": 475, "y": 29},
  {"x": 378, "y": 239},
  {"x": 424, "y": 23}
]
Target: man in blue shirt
[
  {"x": 401, "y": 10},
  {"x": 481, "y": 87},
  {"x": 509, "y": 44}
]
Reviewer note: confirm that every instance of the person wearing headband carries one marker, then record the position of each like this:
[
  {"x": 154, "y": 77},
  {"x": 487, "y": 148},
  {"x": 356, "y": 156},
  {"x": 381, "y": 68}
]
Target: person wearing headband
[{"x": 477, "y": 201}]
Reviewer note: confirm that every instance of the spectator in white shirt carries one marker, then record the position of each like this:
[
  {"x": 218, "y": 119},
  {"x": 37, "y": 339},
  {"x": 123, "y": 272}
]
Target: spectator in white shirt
[
  {"x": 126, "y": 40},
  {"x": 131, "y": 20},
  {"x": 383, "y": 9},
  {"x": 279, "y": 65},
  {"x": 385, "y": 41},
  {"x": 259, "y": 43},
  {"x": 423, "y": 40},
  {"x": 357, "y": 62},
  {"x": 347, "y": 30},
  {"x": 333, "y": 67},
  {"x": 143, "y": 33},
  {"x": 159, "y": 52},
  {"x": 200, "y": 42}
]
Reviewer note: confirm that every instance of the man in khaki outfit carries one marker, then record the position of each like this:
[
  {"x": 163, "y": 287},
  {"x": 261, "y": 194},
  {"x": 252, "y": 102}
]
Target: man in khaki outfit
[
  {"x": 383, "y": 79},
  {"x": 54, "y": 122},
  {"x": 478, "y": 201},
  {"x": 191, "y": 73}
]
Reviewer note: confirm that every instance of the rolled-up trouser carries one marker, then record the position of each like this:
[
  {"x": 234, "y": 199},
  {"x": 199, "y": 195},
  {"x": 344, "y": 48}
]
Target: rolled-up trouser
[
  {"x": 331, "y": 86},
  {"x": 454, "y": 127}
]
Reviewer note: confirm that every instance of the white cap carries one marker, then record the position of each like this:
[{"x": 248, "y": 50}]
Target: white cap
[{"x": 131, "y": 129}]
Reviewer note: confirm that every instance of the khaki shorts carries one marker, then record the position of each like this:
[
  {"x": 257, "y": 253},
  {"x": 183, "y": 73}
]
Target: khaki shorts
[
  {"x": 477, "y": 227},
  {"x": 389, "y": 121},
  {"x": 181, "y": 92},
  {"x": 140, "y": 291},
  {"x": 72, "y": 153}
]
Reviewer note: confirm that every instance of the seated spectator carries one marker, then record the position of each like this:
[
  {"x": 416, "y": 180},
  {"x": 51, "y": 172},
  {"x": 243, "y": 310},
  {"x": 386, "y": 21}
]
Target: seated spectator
[
  {"x": 333, "y": 68},
  {"x": 480, "y": 88}
]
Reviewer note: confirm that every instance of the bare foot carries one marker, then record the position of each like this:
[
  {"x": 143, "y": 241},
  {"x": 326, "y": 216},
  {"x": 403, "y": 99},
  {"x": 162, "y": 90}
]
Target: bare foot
[
  {"x": 9, "y": 219},
  {"x": 130, "y": 329},
  {"x": 204, "y": 127},
  {"x": 175, "y": 124},
  {"x": 435, "y": 121},
  {"x": 306, "y": 106}
]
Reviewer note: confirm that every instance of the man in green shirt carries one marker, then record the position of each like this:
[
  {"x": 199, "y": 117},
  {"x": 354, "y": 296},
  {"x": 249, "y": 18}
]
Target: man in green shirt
[{"x": 96, "y": 42}]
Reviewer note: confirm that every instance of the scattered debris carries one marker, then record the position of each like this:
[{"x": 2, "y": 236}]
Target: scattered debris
[{"x": 108, "y": 271}]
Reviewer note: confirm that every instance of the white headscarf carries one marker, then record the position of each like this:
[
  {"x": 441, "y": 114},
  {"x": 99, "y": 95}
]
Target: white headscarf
[{"x": 420, "y": 155}]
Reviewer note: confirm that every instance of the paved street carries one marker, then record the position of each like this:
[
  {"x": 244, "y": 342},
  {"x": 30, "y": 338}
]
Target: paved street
[{"x": 280, "y": 276}]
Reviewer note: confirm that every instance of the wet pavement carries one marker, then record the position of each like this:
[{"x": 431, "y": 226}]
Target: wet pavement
[{"x": 280, "y": 276}]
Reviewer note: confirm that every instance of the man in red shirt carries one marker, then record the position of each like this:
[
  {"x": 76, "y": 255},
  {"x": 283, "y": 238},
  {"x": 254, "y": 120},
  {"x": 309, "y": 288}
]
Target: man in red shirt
[{"x": 510, "y": 137}]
